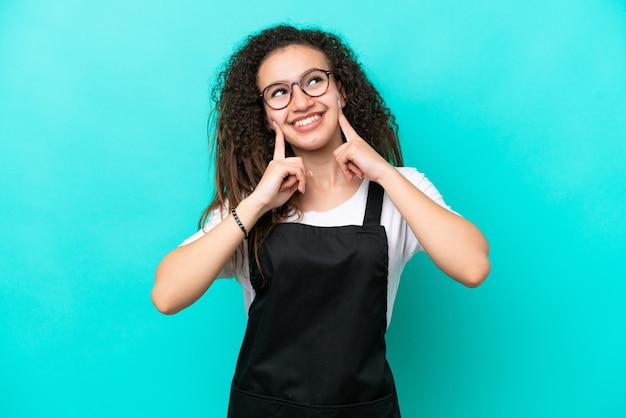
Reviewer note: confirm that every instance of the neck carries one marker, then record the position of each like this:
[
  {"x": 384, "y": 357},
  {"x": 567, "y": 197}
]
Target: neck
[
  {"x": 323, "y": 165},
  {"x": 325, "y": 175},
  {"x": 327, "y": 188}
]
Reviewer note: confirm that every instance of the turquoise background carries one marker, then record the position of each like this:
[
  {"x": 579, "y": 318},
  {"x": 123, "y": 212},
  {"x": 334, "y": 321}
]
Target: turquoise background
[{"x": 515, "y": 110}]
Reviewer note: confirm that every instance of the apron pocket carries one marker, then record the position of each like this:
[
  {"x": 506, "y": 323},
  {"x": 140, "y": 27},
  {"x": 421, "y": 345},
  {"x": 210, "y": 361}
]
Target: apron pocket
[{"x": 251, "y": 405}]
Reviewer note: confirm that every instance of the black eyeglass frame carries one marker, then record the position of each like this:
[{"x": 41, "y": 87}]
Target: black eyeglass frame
[{"x": 289, "y": 85}]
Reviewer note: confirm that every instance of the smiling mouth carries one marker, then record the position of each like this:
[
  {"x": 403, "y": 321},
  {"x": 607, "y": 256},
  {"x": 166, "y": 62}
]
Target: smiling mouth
[{"x": 306, "y": 121}]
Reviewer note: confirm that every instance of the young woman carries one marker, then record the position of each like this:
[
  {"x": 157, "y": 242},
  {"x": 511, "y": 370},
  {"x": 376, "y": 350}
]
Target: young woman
[{"x": 316, "y": 219}]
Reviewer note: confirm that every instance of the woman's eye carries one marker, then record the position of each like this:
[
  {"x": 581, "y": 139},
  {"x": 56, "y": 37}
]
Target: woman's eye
[
  {"x": 314, "y": 80},
  {"x": 278, "y": 91}
]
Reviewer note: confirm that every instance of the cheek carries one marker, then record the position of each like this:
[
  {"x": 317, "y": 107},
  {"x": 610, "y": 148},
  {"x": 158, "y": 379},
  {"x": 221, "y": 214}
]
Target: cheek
[
  {"x": 334, "y": 97},
  {"x": 332, "y": 104},
  {"x": 280, "y": 116}
]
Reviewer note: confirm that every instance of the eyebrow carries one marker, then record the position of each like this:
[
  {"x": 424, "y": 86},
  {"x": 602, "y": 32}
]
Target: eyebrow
[{"x": 291, "y": 81}]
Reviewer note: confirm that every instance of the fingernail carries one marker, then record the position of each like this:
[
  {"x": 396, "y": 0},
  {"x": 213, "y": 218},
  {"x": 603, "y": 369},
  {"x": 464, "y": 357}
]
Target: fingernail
[{"x": 310, "y": 173}]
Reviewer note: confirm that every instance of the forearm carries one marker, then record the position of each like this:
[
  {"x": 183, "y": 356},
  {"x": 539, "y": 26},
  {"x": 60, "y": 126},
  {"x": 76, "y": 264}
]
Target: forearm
[
  {"x": 186, "y": 273},
  {"x": 454, "y": 244}
]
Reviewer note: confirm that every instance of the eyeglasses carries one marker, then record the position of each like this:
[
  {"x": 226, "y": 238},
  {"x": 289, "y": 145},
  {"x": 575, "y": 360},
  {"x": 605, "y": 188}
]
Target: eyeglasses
[{"x": 314, "y": 83}]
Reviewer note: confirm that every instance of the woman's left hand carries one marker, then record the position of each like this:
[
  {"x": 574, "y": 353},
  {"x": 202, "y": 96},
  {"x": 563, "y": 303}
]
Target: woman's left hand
[
  {"x": 456, "y": 246},
  {"x": 356, "y": 157}
]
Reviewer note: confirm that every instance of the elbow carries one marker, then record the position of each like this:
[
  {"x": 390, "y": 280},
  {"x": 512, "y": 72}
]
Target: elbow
[
  {"x": 162, "y": 301},
  {"x": 478, "y": 269},
  {"x": 164, "y": 295},
  {"x": 476, "y": 274}
]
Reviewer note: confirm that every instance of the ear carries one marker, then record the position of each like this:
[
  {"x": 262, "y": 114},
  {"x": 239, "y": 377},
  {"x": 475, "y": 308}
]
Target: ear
[{"x": 342, "y": 94}]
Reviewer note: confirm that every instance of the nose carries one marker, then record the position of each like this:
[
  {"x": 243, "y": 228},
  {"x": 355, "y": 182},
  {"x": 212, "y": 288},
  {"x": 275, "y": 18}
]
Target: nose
[{"x": 299, "y": 99}]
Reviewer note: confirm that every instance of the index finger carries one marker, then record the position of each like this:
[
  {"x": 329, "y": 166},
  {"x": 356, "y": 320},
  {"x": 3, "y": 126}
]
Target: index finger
[
  {"x": 345, "y": 126},
  {"x": 279, "y": 143}
]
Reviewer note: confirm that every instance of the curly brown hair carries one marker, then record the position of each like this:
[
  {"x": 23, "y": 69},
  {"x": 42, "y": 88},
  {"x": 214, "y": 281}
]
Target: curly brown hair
[{"x": 242, "y": 141}]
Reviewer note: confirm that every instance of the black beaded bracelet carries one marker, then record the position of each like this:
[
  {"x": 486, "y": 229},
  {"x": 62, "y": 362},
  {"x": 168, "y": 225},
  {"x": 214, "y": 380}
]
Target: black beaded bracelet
[{"x": 243, "y": 228}]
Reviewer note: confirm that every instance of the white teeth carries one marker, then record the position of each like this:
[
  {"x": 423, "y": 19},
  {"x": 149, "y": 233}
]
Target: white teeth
[{"x": 306, "y": 121}]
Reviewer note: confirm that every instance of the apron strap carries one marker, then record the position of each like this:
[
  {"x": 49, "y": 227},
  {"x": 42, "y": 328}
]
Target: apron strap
[{"x": 374, "y": 204}]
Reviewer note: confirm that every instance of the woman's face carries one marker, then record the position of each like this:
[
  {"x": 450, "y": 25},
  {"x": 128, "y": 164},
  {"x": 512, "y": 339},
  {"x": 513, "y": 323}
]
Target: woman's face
[{"x": 308, "y": 123}]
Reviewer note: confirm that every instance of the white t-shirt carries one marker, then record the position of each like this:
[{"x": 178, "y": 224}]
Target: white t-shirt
[{"x": 402, "y": 243}]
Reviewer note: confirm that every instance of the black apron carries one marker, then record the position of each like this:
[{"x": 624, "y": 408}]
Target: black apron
[{"x": 315, "y": 342}]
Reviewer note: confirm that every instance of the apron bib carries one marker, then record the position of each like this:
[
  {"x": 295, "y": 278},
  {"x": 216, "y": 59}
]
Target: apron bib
[{"x": 315, "y": 342}]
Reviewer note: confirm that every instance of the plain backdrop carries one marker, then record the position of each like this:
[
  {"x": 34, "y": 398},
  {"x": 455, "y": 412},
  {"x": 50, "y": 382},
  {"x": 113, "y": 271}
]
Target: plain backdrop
[{"x": 516, "y": 110}]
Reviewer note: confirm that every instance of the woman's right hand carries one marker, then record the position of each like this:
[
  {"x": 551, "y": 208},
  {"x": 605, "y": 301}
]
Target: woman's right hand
[
  {"x": 188, "y": 271},
  {"x": 282, "y": 177}
]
